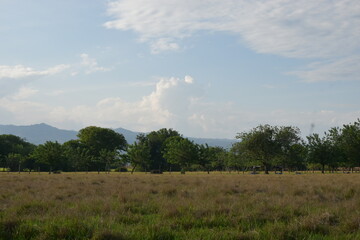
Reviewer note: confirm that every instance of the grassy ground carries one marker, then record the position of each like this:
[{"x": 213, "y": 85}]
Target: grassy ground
[{"x": 190, "y": 206}]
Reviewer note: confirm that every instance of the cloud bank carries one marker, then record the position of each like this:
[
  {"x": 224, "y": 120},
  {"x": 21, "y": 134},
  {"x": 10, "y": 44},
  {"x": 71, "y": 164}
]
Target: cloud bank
[
  {"x": 20, "y": 71},
  {"x": 322, "y": 29},
  {"x": 177, "y": 103},
  {"x": 284, "y": 27}
]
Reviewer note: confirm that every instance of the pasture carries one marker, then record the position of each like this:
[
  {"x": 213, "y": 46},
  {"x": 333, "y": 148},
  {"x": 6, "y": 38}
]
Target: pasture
[{"x": 173, "y": 206}]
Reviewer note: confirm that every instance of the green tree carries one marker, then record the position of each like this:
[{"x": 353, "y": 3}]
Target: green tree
[
  {"x": 11, "y": 144},
  {"x": 139, "y": 155},
  {"x": 270, "y": 145},
  {"x": 155, "y": 141},
  {"x": 180, "y": 151},
  {"x": 50, "y": 156},
  {"x": 97, "y": 139},
  {"x": 205, "y": 157},
  {"x": 14, "y": 161},
  {"x": 319, "y": 150},
  {"x": 101, "y": 143},
  {"x": 350, "y": 143},
  {"x": 78, "y": 155},
  {"x": 239, "y": 158},
  {"x": 297, "y": 157},
  {"x": 220, "y": 158},
  {"x": 291, "y": 150},
  {"x": 261, "y": 145}
]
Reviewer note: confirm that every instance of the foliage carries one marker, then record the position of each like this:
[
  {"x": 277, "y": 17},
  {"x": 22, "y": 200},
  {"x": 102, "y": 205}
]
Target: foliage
[
  {"x": 319, "y": 150},
  {"x": 77, "y": 155},
  {"x": 50, "y": 156},
  {"x": 350, "y": 143},
  {"x": 155, "y": 141},
  {"x": 96, "y": 139},
  {"x": 13, "y": 148},
  {"x": 180, "y": 151},
  {"x": 139, "y": 155},
  {"x": 269, "y": 145}
]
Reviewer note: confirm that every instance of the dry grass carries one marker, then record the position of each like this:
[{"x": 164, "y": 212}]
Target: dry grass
[{"x": 191, "y": 206}]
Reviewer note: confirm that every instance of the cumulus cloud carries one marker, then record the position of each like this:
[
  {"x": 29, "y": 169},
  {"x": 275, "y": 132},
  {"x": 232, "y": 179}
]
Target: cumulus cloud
[
  {"x": 189, "y": 79},
  {"x": 175, "y": 103},
  {"x": 20, "y": 71}
]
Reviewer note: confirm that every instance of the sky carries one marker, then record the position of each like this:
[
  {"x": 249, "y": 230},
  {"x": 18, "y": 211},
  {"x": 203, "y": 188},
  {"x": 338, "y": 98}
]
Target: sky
[{"x": 206, "y": 68}]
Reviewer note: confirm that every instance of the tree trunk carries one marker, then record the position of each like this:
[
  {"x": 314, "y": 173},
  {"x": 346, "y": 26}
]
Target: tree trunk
[
  {"x": 266, "y": 169},
  {"x": 323, "y": 168},
  {"x": 133, "y": 169}
]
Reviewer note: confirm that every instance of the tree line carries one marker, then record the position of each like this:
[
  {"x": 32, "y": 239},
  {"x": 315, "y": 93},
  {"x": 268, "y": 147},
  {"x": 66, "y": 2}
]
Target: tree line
[{"x": 264, "y": 147}]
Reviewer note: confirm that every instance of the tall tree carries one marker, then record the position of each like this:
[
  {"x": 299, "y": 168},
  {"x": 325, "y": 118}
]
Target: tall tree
[
  {"x": 78, "y": 155},
  {"x": 205, "y": 157},
  {"x": 260, "y": 143},
  {"x": 155, "y": 140},
  {"x": 97, "y": 138},
  {"x": 139, "y": 155},
  {"x": 350, "y": 143},
  {"x": 50, "y": 156},
  {"x": 101, "y": 143},
  {"x": 319, "y": 150},
  {"x": 269, "y": 145},
  {"x": 180, "y": 151},
  {"x": 11, "y": 144},
  {"x": 290, "y": 144},
  {"x": 239, "y": 157}
]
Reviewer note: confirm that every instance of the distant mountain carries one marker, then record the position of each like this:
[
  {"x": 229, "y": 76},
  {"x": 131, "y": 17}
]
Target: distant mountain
[
  {"x": 130, "y": 136},
  {"x": 40, "y": 133},
  {"x": 214, "y": 142}
]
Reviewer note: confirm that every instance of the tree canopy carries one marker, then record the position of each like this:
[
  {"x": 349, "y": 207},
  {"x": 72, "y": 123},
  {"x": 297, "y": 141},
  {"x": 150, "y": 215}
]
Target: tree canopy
[{"x": 265, "y": 146}]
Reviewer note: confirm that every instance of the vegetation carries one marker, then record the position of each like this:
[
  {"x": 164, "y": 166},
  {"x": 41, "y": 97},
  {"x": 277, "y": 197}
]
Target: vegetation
[
  {"x": 173, "y": 206},
  {"x": 223, "y": 205},
  {"x": 264, "y": 147}
]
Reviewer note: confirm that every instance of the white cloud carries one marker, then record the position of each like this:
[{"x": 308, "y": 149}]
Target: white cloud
[
  {"x": 321, "y": 29},
  {"x": 24, "y": 112},
  {"x": 24, "y": 92},
  {"x": 163, "y": 44},
  {"x": 188, "y": 79},
  {"x": 56, "y": 93},
  {"x": 90, "y": 64},
  {"x": 162, "y": 107},
  {"x": 173, "y": 103},
  {"x": 344, "y": 69},
  {"x": 284, "y": 27},
  {"x": 20, "y": 71}
]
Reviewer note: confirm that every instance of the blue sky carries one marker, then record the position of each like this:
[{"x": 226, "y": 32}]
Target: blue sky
[{"x": 207, "y": 68}]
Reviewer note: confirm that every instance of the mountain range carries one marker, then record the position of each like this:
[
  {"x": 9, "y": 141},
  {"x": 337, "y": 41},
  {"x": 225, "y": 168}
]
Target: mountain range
[{"x": 40, "y": 133}]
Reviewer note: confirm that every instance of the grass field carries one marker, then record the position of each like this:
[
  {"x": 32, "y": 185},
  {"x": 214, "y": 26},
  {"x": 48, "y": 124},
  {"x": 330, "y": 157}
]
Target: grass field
[{"x": 174, "y": 206}]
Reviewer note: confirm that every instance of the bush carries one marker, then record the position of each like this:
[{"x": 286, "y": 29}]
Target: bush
[{"x": 121, "y": 169}]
